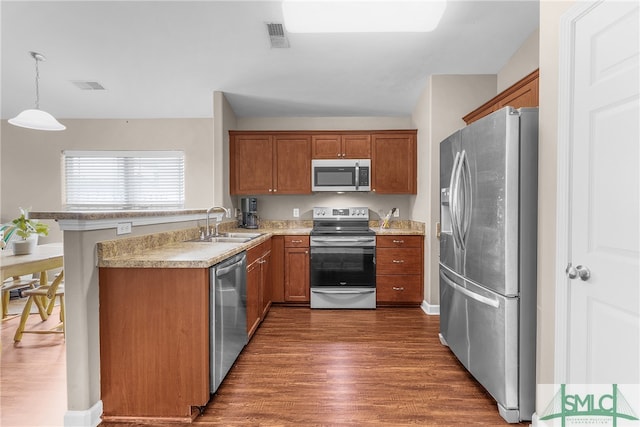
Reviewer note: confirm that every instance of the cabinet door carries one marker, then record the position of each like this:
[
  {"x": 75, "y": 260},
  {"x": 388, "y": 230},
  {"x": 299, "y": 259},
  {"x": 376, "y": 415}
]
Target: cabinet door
[
  {"x": 265, "y": 285},
  {"x": 277, "y": 268},
  {"x": 399, "y": 261},
  {"x": 296, "y": 276},
  {"x": 356, "y": 146},
  {"x": 253, "y": 297},
  {"x": 326, "y": 146},
  {"x": 399, "y": 288},
  {"x": 251, "y": 164},
  {"x": 293, "y": 164},
  {"x": 394, "y": 163}
]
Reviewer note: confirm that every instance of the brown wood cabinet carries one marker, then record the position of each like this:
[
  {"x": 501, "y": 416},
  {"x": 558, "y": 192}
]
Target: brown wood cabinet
[
  {"x": 296, "y": 269},
  {"x": 279, "y": 162},
  {"x": 394, "y": 162},
  {"x": 399, "y": 270},
  {"x": 269, "y": 163},
  {"x": 523, "y": 93},
  {"x": 340, "y": 146},
  {"x": 277, "y": 269},
  {"x": 258, "y": 285},
  {"x": 154, "y": 343}
]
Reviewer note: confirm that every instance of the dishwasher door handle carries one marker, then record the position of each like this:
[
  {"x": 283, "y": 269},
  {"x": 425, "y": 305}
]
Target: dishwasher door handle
[{"x": 221, "y": 271}]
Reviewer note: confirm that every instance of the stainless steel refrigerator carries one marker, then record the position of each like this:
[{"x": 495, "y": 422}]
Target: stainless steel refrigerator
[{"x": 488, "y": 216}]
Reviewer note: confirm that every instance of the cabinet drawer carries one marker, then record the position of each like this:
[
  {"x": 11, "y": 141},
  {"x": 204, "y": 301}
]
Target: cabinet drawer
[
  {"x": 296, "y": 241},
  {"x": 398, "y": 261},
  {"x": 405, "y": 288},
  {"x": 402, "y": 241}
]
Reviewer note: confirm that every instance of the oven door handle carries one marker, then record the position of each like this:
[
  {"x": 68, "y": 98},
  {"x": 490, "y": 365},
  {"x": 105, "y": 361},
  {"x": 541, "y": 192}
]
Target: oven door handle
[
  {"x": 334, "y": 240},
  {"x": 338, "y": 291}
]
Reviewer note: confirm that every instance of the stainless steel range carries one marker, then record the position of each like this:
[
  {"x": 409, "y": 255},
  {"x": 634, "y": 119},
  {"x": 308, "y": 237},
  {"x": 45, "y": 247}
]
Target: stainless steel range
[{"x": 343, "y": 259}]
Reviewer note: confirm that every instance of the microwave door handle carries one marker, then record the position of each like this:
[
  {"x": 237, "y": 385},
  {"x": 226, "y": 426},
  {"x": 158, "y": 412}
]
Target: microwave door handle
[{"x": 357, "y": 175}]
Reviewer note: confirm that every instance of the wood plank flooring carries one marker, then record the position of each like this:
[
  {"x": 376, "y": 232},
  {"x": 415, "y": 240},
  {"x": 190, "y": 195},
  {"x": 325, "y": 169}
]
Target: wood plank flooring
[
  {"x": 33, "y": 375},
  {"x": 382, "y": 367}
]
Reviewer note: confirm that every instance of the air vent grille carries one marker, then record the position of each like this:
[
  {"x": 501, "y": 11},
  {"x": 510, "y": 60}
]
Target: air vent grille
[
  {"x": 87, "y": 85},
  {"x": 277, "y": 36}
]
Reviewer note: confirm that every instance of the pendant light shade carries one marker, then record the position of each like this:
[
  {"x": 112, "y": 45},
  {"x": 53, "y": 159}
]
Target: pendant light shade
[{"x": 36, "y": 118}]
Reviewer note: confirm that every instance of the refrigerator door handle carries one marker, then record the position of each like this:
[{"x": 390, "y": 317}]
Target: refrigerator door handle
[
  {"x": 465, "y": 221},
  {"x": 454, "y": 199},
  {"x": 477, "y": 297}
]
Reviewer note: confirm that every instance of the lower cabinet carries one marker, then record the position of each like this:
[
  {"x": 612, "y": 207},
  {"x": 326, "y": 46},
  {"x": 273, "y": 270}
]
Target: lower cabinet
[
  {"x": 154, "y": 343},
  {"x": 399, "y": 270},
  {"x": 258, "y": 285},
  {"x": 296, "y": 269}
]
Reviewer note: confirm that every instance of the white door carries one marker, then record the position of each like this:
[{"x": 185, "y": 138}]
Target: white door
[{"x": 599, "y": 124}]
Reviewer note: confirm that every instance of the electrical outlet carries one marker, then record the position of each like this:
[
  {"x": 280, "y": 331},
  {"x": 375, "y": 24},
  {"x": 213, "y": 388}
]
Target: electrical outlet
[
  {"x": 296, "y": 212},
  {"x": 397, "y": 213},
  {"x": 123, "y": 228}
]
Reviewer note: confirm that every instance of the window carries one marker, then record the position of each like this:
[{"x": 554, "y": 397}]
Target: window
[{"x": 123, "y": 179}]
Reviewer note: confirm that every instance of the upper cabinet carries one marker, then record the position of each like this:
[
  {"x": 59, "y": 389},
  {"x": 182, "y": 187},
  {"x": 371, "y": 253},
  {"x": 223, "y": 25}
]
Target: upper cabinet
[
  {"x": 269, "y": 163},
  {"x": 523, "y": 93},
  {"x": 279, "y": 162},
  {"x": 394, "y": 162},
  {"x": 341, "y": 146}
]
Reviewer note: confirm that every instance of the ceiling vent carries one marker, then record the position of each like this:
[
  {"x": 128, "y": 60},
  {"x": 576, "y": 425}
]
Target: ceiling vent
[
  {"x": 86, "y": 85},
  {"x": 277, "y": 36}
]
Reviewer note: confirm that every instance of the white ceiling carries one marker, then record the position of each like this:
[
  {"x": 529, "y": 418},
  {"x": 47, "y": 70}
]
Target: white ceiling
[{"x": 162, "y": 59}]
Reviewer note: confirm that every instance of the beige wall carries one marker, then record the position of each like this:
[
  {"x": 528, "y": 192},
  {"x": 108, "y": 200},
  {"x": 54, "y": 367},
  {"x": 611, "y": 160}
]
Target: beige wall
[
  {"x": 523, "y": 62},
  {"x": 30, "y": 173},
  {"x": 438, "y": 114},
  {"x": 550, "y": 14}
]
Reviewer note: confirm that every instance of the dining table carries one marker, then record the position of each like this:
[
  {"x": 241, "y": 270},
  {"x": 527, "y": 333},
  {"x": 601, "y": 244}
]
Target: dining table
[{"x": 44, "y": 258}]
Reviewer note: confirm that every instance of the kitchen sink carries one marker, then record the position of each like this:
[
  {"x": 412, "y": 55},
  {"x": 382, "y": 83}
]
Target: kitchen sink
[
  {"x": 221, "y": 239},
  {"x": 242, "y": 235},
  {"x": 228, "y": 238}
]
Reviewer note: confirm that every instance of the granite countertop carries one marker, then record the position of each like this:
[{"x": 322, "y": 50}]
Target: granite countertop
[{"x": 174, "y": 250}]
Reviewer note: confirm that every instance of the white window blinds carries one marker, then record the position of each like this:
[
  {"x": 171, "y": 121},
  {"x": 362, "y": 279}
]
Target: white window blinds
[{"x": 123, "y": 179}]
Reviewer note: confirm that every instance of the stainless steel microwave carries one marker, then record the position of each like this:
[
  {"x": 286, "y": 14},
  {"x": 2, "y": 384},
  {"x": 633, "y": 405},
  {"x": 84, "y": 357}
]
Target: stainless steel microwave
[{"x": 341, "y": 175}]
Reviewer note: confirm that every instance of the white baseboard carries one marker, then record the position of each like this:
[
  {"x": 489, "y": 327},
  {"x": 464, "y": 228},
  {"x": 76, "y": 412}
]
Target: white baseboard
[
  {"x": 432, "y": 310},
  {"x": 88, "y": 418},
  {"x": 534, "y": 420}
]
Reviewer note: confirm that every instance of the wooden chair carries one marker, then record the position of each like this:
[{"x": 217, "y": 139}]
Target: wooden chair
[
  {"x": 44, "y": 298},
  {"x": 11, "y": 284}
]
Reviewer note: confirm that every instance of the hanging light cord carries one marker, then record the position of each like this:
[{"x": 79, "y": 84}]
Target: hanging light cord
[{"x": 37, "y": 86}]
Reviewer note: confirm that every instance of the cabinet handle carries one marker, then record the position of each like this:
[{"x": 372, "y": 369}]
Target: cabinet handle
[
  {"x": 398, "y": 288},
  {"x": 398, "y": 261},
  {"x": 306, "y": 252},
  {"x": 344, "y": 155},
  {"x": 296, "y": 241},
  {"x": 398, "y": 241},
  {"x": 275, "y": 189},
  {"x": 270, "y": 190}
]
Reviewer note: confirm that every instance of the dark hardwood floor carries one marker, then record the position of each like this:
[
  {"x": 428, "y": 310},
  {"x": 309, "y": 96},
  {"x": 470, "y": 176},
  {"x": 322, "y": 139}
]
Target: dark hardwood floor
[
  {"x": 303, "y": 367},
  {"x": 348, "y": 368}
]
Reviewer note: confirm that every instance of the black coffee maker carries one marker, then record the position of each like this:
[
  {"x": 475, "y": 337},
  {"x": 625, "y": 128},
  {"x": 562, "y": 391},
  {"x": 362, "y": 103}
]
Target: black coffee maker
[{"x": 249, "y": 208}]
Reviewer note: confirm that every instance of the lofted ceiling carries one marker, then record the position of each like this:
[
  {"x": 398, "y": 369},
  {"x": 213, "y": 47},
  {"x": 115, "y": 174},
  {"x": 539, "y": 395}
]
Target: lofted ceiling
[{"x": 163, "y": 59}]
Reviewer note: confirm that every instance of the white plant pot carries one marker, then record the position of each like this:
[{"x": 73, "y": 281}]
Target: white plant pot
[{"x": 25, "y": 247}]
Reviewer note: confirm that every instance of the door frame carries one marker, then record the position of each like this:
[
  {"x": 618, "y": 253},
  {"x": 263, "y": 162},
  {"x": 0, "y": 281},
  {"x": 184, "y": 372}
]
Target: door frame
[{"x": 564, "y": 184}]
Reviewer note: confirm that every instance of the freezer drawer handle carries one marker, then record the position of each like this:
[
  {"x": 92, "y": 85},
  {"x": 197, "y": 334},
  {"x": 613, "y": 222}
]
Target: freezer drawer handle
[{"x": 472, "y": 295}]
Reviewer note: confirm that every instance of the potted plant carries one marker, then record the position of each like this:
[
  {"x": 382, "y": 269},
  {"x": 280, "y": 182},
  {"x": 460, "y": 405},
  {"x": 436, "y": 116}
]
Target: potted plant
[{"x": 28, "y": 230}]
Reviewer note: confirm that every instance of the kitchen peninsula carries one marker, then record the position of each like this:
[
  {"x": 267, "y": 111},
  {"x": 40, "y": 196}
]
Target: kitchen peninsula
[{"x": 157, "y": 242}]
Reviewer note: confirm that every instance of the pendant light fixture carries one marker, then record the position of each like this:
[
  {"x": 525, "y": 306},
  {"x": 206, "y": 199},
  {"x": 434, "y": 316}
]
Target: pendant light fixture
[{"x": 37, "y": 118}]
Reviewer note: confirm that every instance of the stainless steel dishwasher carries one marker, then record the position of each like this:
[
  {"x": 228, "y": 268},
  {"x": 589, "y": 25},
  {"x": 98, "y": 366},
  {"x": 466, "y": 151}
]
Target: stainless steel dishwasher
[{"x": 228, "y": 315}]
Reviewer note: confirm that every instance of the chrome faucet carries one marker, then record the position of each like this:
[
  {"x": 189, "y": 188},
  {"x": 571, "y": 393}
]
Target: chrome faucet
[{"x": 226, "y": 211}]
